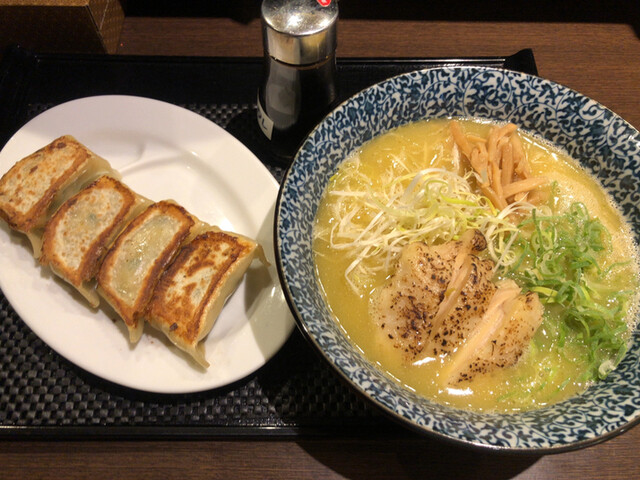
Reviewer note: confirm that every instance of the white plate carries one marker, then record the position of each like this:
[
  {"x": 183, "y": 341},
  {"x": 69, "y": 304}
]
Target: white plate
[{"x": 162, "y": 151}]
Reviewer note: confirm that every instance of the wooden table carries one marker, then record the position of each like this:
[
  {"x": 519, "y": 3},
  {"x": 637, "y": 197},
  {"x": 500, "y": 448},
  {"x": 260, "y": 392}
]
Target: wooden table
[{"x": 601, "y": 60}]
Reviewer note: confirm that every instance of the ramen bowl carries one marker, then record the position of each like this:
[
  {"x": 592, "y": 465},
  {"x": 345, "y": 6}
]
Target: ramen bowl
[{"x": 603, "y": 142}]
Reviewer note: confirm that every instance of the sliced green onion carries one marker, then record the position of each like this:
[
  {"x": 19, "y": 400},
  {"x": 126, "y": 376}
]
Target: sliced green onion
[{"x": 560, "y": 263}]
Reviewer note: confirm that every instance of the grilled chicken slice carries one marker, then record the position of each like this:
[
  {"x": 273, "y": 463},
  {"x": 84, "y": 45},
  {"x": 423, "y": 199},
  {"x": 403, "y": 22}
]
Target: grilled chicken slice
[
  {"x": 442, "y": 302},
  {"x": 437, "y": 295},
  {"x": 501, "y": 338}
]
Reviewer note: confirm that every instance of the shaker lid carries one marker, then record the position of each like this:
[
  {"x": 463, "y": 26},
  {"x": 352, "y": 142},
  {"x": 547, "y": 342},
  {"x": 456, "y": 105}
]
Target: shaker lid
[{"x": 299, "y": 32}]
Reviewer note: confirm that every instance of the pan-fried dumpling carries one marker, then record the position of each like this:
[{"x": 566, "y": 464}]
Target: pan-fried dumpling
[
  {"x": 138, "y": 257},
  {"x": 76, "y": 237},
  {"x": 195, "y": 287},
  {"x": 36, "y": 185}
]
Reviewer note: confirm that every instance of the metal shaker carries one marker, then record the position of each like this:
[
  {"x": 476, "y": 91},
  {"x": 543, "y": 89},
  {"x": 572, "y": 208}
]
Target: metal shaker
[{"x": 299, "y": 84}]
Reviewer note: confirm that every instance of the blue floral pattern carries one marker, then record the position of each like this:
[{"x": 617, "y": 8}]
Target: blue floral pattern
[{"x": 603, "y": 142}]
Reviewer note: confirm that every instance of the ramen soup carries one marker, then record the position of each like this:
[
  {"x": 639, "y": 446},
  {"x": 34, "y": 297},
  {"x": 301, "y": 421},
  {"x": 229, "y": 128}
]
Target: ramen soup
[{"x": 477, "y": 265}]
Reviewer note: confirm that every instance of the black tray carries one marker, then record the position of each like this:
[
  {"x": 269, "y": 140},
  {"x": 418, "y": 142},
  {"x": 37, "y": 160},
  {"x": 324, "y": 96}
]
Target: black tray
[{"x": 296, "y": 393}]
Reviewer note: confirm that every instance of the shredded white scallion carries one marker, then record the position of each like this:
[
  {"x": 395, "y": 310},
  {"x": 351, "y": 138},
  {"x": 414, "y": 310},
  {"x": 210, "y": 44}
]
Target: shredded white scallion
[{"x": 434, "y": 205}]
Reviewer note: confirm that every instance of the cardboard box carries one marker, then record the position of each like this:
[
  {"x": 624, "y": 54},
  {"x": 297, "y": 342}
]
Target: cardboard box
[{"x": 69, "y": 26}]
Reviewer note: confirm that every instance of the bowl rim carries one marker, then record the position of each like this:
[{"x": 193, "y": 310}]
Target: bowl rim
[{"x": 354, "y": 386}]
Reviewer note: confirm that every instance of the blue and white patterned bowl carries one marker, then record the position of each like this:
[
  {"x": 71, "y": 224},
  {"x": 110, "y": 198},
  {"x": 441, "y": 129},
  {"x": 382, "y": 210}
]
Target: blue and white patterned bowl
[{"x": 607, "y": 145}]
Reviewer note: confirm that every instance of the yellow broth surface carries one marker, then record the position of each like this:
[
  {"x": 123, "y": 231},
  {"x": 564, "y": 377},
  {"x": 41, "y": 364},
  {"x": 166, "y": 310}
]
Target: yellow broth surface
[{"x": 545, "y": 373}]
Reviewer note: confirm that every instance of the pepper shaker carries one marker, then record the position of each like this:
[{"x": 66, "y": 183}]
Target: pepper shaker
[{"x": 299, "y": 84}]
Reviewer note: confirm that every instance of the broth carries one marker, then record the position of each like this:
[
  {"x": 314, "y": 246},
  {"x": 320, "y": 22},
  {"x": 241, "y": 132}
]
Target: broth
[{"x": 547, "y": 372}]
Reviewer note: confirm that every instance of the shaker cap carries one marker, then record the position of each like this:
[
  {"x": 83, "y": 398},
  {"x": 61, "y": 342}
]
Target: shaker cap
[{"x": 299, "y": 32}]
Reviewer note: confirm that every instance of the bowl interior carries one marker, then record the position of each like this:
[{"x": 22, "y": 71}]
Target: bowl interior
[{"x": 603, "y": 142}]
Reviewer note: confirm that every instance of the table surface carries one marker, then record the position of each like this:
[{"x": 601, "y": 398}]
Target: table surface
[{"x": 600, "y": 60}]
